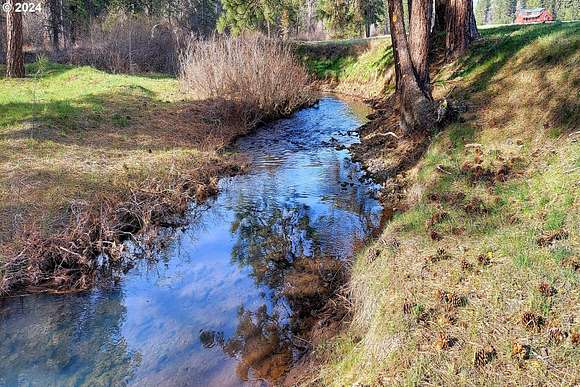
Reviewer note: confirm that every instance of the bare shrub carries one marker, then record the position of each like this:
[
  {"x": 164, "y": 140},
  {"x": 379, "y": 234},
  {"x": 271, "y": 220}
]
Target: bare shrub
[
  {"x": 259, "y": 77},
  {"x": 123, "y": 44},
  {"x": 34, "y": 30}
]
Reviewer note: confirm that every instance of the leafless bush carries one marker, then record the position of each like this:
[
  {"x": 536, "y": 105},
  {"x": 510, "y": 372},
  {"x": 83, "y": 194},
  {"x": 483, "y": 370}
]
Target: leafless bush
[
  {"x": 258, "y": 77},
  {"x": 124, "y": 44},
  {"x": 34, "y": 30}
]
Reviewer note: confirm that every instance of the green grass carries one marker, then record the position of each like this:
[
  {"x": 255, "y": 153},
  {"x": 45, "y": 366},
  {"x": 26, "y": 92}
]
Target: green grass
[
  {"x": 515, "y": 83},
  {"x": 63, "y": 93},
  {"x": 357, "y": 62},
  {"x": 75, "y": 133}
]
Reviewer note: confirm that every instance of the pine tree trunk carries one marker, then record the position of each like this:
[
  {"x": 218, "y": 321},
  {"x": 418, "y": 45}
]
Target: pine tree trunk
[
  {"x": 419, "y": 32},
  {"x": 460, "y": 27},
  {"x": 416, "y": 106},
  {"x": 440, "y": 12},
  {"x": 55, "y": 12},
  {"x": 14, "y": 53}
]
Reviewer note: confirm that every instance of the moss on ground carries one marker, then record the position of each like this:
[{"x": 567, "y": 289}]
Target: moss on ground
[{"x": 477, "y": 282}]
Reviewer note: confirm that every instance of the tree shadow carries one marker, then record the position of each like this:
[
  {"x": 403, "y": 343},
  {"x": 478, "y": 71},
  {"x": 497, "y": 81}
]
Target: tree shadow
[
  {"x": 126, "y": 119},
  {"x": 33, "y": 70},
  {"x": 499, "y": 45}
]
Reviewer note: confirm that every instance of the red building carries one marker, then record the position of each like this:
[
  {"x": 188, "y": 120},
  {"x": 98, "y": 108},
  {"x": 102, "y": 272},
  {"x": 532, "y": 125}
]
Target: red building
[{"x": 533, "y": 15}]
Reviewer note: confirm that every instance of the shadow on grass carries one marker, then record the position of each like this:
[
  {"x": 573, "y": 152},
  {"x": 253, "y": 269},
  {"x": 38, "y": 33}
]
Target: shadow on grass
[
  {"x": 500, "y": 44},
  {"x": 122, "y": 120},
  {"x": 55, "y": 69}
]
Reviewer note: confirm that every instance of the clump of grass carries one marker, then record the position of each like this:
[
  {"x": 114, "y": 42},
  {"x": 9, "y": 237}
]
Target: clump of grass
[{"x": 259, "y": 76}]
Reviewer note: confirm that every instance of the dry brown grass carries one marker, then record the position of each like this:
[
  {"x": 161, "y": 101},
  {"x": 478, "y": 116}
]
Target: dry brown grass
[{"x": 77, "y": 182}]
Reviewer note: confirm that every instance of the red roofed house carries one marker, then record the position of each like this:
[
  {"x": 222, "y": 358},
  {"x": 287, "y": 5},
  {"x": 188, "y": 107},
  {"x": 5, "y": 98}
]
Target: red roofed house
[{"x": 533, "y": 15}]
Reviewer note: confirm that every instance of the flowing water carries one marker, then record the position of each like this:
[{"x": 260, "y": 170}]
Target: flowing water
[{"x": 225, "y": 299}]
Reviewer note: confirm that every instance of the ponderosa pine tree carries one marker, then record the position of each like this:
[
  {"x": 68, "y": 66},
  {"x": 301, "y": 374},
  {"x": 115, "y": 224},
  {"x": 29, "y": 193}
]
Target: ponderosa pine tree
[
  {"x": 417, "y": 109},
  {"x": 460, "y": 27},
  {"x": 14, "y": 53},
  {"x": 371, "y": 12},
  {"x": 483, "y": 12}
]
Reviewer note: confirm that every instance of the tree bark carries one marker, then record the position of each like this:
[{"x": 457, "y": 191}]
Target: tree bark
[
  {"x": 419, "y": 42},
  {"x": 460, "y": 27},
  {"x": 55, "y": 18},
  {"x": 440, "y": 11},
  {"x": 14, "y": 53},
  {"x": 416, "y": 105}
]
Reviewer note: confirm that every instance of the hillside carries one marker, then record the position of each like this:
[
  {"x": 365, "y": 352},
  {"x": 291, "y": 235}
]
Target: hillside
[
  {"x": 475, "y": 279},
  {"x": 357, "y": 67}
]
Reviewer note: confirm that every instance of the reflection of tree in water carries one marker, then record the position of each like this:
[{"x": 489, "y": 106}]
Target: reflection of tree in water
[
  {"x": 282, "y": 249},
  {"x": 91, "y": 348},
  {"x": 264, "y": 344},
  {"x": 269, "y": 238},
  {"x": 295, "y": 251},
  {"x": 260, "y": 343}
]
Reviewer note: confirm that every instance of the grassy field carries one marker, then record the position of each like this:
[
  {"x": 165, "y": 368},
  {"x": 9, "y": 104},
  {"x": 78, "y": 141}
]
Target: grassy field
[
  {"x": 73, "y": 132},
  {"x": 74, "y": 138},
  {"x": 477, "y": 281}
]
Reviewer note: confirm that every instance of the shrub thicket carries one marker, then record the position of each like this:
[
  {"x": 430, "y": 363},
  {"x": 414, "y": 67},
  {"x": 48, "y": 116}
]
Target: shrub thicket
[
  {"x": 127, "y": 44},
  {"x": 259, "y": 77}
]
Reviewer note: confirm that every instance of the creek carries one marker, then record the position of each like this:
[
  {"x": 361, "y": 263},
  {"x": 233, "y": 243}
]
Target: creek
[{"x": 225, "y": 301}]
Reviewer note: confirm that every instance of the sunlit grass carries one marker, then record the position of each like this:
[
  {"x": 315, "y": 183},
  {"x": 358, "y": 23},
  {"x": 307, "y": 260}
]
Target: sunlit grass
[
  {"x": 72, "y": 133},
  {"x": 515, "y": 82}
]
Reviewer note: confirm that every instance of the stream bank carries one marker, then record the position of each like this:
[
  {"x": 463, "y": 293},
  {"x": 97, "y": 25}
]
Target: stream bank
[
  {"x": 476, "y": 276},
  {"x": 229, "y": 299}
]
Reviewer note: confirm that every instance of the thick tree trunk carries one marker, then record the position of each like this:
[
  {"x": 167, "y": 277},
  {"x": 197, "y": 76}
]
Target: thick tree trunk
[
  {"x": 419, "y": 32},
  {"x": 440, "y": 12},
  {"x": 416, "y": 106},
  {"x": 460, "y": 27},
  {"x": 14, "y": 53},
  {"x": 473, "y": 32}
]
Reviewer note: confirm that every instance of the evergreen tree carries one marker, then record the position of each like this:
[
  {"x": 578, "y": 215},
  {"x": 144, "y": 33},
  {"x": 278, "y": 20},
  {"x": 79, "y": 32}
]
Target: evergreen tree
[
  {"x": 339, "y": 17},
  {"x": 269, "y": 16},
  {"x": 503, "y": 11},
  {"x": 350, "y": 18},
  {"x": 483, "y": 12}
]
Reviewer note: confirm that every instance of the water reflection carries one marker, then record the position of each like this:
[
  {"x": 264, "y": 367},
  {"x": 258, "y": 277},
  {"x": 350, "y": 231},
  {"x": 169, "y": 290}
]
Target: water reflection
[
  {"x": 233, "y": 292},
  {"x": 45, "y": 340}
]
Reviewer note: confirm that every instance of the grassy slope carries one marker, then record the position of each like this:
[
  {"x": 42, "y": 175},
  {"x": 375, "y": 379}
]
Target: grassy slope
[
  {"x": 424, "y": 309},
  {"x": 359, "y": 67},
  {"x": 78, "y": 133}
]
